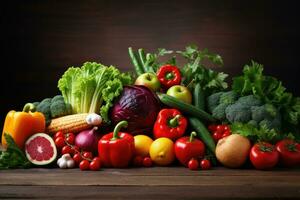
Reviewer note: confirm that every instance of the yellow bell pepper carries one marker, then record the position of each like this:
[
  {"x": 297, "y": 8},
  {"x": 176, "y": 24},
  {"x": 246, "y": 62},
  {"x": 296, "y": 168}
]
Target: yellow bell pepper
[{"x": 21, "y": 125}]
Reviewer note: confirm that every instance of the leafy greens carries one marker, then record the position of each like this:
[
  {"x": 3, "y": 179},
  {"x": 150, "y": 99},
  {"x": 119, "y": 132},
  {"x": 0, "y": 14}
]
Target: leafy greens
[{"x": 92, "y": 87}]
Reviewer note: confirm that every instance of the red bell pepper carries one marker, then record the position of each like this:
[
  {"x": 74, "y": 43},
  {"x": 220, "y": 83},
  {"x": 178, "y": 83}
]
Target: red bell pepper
[
  {"x": 187, "y": 148},
  {"x": 116, "y": 149},
  {"x": 169, "y": 75},
  {"x": 169, "y": 123}
]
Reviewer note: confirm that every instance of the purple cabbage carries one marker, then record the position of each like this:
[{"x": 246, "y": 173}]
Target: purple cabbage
[{"x": 139, "y": 106}]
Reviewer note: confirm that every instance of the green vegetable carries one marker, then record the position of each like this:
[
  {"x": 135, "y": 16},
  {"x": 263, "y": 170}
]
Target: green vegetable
[
  {"x": 53, "y": 108},
  {"x": 184, "y": 107},
  {"x": 238, "y": 113},
  {"x": 213, "y": 101},
  {"x": 195, "y": 71},
  {"x": 92, "y": 87},
  {"x": 261, "y": 133},
  {"x": 12, "y": 157},
  {"x": 199, "y": 97},
  {"x": 202, "y": 133},
  {"x": 139, "y": 67},
  {"x": 270, "y": 91}
]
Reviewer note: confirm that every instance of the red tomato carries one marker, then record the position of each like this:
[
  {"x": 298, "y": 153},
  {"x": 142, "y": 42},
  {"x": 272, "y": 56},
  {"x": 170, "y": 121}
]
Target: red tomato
[
  {"x": 138, "y": 161},
  {"x": 70, "y": 138},
  {"x": 87, "y": 155},
  {"x": 77, "y": 158},
  {"x": 263, "y": 155},
  {"x": 59, "y": 142},
  {"x": 226, "y": 133},
  {"x": 289, "y": 152},
  {"x": 193, "y": 164},
  {"x": 147, "y": 162},
  {"x": 84, "y": 165},
  {"x": 67, "y": 149},
  {"x": 95, "y": 165},
  {"x": 212, "y": 127},
  {"x": 217, "y": 136},
  {"x": 205, "y": 164},
  {"x": 220, "y": 128},
  {"x": 59, "y": 134}
]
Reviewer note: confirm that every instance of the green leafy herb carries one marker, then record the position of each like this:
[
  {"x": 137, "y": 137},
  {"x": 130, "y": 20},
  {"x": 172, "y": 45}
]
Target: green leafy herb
[
  {"x": 195, "y": 71},
  {"x": 258, "y": 134},
  {"x": 12, "y": 157}
]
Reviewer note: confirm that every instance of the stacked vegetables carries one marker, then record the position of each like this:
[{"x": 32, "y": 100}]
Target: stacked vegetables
[{"x": 186, "y": 113}]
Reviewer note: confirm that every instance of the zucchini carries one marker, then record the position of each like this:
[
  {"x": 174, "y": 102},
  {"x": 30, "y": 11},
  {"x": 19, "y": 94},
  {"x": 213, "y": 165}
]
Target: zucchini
[
  {"x": 184, "y": 107},
  {"x": 203, "y": 133}
]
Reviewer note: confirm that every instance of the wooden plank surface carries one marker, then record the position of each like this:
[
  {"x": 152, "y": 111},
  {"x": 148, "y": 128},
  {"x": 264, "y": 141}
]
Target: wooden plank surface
[{"x": 149, "y": 183}]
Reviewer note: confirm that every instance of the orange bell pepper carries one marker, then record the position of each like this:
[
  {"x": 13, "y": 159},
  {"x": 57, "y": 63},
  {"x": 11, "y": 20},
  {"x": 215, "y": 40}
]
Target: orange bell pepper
[{"x": 21, "y": 125}]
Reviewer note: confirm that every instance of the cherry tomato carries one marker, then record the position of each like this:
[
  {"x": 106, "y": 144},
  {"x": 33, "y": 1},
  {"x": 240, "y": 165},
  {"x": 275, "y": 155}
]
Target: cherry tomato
[
  {"x": 67, "y": 149},
  {"x": 138, "y": 161},
  {"x": 226, "y": 133},
  {"x": 220, "y": 128},
  {"x": 84, "y": 165},
  {"x": 97, "y": 158},
  {"x": 70, "y": 138},
  {"x": 226, "y": 128},
  {"x": 59, "y": 142},
  {"x": 77, "y": 158},
  {"x": 212, "y": 127},
  {"x": 205, "y": 164},
  {"x": 217, "y": 136},
  {"x": 193, "y": 164},
  {"x": 59, "y": 134},
  {"x": 147, "y": 162},
  {"x": 87, "y": 155},
  {"x": 95, "y": 165},
  {"x": 289, "y": 152},
  {"x": 76, "y": 149},
  {"x": 263, "y": 155}
]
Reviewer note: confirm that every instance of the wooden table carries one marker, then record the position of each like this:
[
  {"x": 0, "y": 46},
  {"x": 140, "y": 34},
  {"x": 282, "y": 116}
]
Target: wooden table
[{"x": 149, "y": 183}]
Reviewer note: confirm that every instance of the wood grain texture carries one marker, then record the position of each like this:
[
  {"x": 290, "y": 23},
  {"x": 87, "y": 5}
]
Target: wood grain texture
[
  {"x": 150, "y": 183},
  {"x": 41, "y": 39}
]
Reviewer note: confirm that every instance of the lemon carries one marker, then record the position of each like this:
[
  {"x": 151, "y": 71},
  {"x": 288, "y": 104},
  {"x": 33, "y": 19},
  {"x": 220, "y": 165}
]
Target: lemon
[
  {"x": 162, "y": 151},
  {"x": 142, "y": 145}
]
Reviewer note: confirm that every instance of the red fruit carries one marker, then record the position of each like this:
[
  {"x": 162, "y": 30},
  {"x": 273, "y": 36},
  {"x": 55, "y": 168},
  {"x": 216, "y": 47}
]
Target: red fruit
[
  {"x": 217, "y": 136},
  {"x": 59, "y": 134},
  {"x": 87, "y": 155},
  {"x": 147, "y": 162},
  {"x": 226, "y": 128},
  {"x": 205, "y": 164},
  {"x": 76, "y": 149},
  {"x": 67, "y": 149},
  {"x": 193, "y": 164},
  {"x": 289, "y": 152},
  {"x": 97, "y": 158},
  {"x": 84, "y": 165},
  {"x": 77, "y": 158},
  {"x": 95, "y": 164},
  {"x": 70, "y": 138},
  {"x": 226, "y": 133},
  {"x": 59, "y": 142},
  {"x": 212, "y": 127},
  {"x": 263, "y": 155},
  {"x": 138, "y": 161},
  {"x": 220, "y": 128},
  {"x": 40, "y": 149}
]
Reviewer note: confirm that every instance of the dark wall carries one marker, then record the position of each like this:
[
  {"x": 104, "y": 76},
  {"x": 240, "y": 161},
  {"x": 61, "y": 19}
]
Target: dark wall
[{"x": 41, "y": 39}]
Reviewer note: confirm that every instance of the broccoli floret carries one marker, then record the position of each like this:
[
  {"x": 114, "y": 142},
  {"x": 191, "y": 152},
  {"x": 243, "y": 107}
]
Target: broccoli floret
[
  {"x": 213, "y": 101},
  {"x": 36, "y": 104},
  {"x": 238, "y": 113},
  {"x": 44, "y": 107},
  {"x": 228, "y": 97},
  {"x": 249, "y": 101},
  {"x": 58, "y": 107},
  {"x": 219, "y": 112}
]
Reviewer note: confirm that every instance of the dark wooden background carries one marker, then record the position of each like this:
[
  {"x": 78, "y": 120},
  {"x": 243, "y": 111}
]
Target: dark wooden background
[{"x": 41, "y": 39}]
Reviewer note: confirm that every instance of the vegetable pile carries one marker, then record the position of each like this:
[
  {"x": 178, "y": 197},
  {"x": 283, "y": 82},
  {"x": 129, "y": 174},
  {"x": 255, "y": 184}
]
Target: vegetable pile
[{"x": 163, "y": 112}]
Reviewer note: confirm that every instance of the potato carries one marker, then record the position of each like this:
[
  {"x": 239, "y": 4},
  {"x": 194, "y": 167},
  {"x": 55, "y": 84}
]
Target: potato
[{"x": 233, "y": 150}]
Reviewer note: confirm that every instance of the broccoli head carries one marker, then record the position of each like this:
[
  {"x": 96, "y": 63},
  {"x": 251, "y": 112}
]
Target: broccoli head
[
  {"x": 58, "y": 107},
  {"x": 213, "y": 101},
  {"x": 44, "y": 107},
  {"x": 238, "y": 113},
  {"x": 228, "y": 97},
  {"x": 249, "y": 101},
  {"x": 219, "y": 112}
]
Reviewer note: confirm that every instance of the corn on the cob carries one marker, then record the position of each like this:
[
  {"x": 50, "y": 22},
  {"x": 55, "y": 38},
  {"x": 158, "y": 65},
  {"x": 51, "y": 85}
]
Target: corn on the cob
[{"x": 69, "y": 123}]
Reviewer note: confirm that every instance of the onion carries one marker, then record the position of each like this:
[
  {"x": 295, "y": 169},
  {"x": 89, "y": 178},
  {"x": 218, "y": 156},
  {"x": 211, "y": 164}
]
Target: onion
[{"x": 87, "y": 140}]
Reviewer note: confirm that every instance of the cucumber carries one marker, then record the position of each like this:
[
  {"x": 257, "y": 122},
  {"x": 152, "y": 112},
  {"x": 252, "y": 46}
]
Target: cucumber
[
  {"x": 203, "y": 133},
  {"x": 199, "y": 97},
  {"x": 184, "y": 107},
  {"x": 139, "y": 69}
]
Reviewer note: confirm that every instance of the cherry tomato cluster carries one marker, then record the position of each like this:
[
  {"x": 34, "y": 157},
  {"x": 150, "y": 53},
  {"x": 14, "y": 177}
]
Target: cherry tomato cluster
[
  {"x": 194, "y": 164},
  {"x": 84, "y": 159},
  {"x": 219, "y": 131},
  {"x": 140, "y": 161}
]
